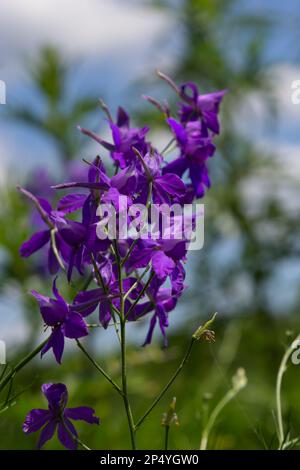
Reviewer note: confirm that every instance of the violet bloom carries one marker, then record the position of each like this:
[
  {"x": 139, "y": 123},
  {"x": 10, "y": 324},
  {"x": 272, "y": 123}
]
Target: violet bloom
[
  {"x": 163, "y": 254},
  {"x": 88, "y": 301},
  {"x": 165, "y": 188},
  {"x": 57, "y": 416},
  {"x": 196, "y": 147},
  {"x": 81, "y": 237},
  {"x": 163, "y": 301},
  {"x": 124, "y": 139},
  {"x": 64, "y": 321},
  {"x": 197, "y": 106},
  {"x": 54, "y": 220}
]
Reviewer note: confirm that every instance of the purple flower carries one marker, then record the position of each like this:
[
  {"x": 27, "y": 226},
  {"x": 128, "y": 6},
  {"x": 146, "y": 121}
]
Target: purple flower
[
  {"x": 163, "y": 255},
  {"x": 166, "y": 188},
  {"x": 204, "y": 107},
  {"x": 54, "y": 220},
  {"x": 57, "y": 416},
  {"x": 195, "y": 149},
  {"x": 64, "y": 322},
  {"x": 87, "y": 301},
  {"x": 124, "y": 139},
  {"x": 163, "y": 301}
]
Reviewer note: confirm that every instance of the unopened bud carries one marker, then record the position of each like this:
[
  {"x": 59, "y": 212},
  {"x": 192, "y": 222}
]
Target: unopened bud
[
  {"x": 239, "y": 380},
  {"x": 203, "y": 332},
  {"x": 170, "y": 417}
]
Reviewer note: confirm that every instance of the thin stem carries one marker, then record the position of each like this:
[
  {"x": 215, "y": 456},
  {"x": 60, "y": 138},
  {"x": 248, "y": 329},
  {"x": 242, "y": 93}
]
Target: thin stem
[
  {"x": 167, "y": 429},
  {"x": 55, "y": 250},
  {"x": 144, "y": 289},
  {"x": 124, "y": 386},
  {"x": 99, "y": 368},
  {"x": 212, "y": 418},
  {"x": 148, "y": 202},
  {"x": 239, "y": 381},
  {"x": 3, "y": 372},
  {"x": 21, "y": 364},
  {"x": 167, "y": 147},
  {"x": 139, "y": 279},
  {"x": 75, "y": 438},
  {"x": 168, "y": 385},
  {"x": 101, "y": 282},
  {"x": 281, "y": 371},
  {"x": 126, "y": 257},
  {"x": 123, "y": 351},
  {"x": 87, "y": 282},
  {"x": 169, "y": 81},
  {"x": 105, "y": 108}
]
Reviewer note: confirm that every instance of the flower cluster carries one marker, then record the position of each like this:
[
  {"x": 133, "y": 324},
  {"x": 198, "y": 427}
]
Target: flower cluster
[{"x": 133, "y": 277}]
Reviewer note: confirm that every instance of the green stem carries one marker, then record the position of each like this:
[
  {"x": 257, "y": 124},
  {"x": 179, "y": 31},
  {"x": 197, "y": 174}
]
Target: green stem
[
  {"x": 101, "y": 282},
  {"x": 76, "y": 438},
  {"x": 281, "y": 371},
  {"x": 123, "y": 351},
  {"x": 21, "y": 364},
  {"x": 168, "y": 385},
  {"x": 167, "y": 429},
  {"x": 215, "y": 413},
  {"x": 144, "y": 289},
  {"x": 99, "y": 368},
  {"x": 124, "y": 386}
]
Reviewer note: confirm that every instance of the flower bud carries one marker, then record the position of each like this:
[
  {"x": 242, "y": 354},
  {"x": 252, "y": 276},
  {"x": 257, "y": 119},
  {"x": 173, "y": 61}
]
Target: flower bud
[
  {"x": 170, "y": 417},
  {"x": 239, "y": 380},
  {"x": 204, "y": 333}
]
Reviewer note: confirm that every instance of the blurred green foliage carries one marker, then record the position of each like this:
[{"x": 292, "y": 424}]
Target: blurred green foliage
[
  {"x": 246, "y": 423},
  {"x": 50, "y": 77}
]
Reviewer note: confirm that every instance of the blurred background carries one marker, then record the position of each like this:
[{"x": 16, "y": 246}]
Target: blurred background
[{"x": 57, "y": 58}]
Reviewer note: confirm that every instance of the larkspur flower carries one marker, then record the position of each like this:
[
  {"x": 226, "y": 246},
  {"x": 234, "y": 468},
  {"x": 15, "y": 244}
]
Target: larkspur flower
[
  {"x": 195, "y": 149},
  {"x": 58, "y": 417},
  {"x": 124, "y": 139},
  {"x": 88, "y": 301},
  {"x": 200, "y": 106},
  {"x": 63, "y": 320},
  {"x": 54, "y": 220}
]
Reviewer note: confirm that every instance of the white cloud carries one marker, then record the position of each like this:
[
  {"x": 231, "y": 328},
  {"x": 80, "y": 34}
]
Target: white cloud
[{"x": 92, "y": 27}]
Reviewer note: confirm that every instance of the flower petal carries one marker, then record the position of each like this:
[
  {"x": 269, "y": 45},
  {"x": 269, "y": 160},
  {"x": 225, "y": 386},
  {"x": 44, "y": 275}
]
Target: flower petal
[
  {"x": 162, "y": 265},
  {"x": 67, "y": 434},
  {"x": 57, "y": 343},
  {"x": 37, "y": 241},
  {"x": 56, "y": 394},
  {"x": 35, "y": 419},
  {"x": 84, "y": 413},
  {"x": 71, "y": 202},
  {"x": 47, "y": 433},
  {"x": 75, "y": 326}
]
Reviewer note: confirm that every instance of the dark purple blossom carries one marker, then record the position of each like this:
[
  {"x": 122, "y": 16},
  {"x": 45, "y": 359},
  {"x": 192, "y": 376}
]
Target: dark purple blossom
[
  {"x": 58, "y": 417},
  {"x": 124, "y": 139},
  {"x": 64, "y": 322},
  {"x": 195, "y": 149},
  {"x": 200, "y": 106},
  {"x": 54, "y": 220}
]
